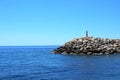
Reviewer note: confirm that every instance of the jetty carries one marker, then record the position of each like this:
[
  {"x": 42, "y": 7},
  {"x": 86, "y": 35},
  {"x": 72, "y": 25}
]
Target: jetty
[{"x": 89, "y": 46}]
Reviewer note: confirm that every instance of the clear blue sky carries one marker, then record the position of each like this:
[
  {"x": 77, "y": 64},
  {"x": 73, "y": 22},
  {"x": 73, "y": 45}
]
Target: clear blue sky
[{"x": 53, "y": 22}]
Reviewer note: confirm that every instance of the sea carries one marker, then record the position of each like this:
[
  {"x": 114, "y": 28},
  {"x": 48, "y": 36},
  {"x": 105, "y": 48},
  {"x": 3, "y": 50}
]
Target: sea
[{"x": 38, "y": 63}]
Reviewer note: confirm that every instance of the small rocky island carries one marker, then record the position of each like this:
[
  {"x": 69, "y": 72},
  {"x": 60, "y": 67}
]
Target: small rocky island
[{"x": 90, "y": 46}]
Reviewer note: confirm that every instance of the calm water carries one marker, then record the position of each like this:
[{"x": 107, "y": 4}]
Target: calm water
[{"x": 37, "y": 63}]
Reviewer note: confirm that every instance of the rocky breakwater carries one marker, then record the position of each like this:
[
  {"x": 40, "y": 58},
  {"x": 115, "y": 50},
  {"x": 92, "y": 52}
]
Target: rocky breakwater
[{"x": 90, "y": 46}]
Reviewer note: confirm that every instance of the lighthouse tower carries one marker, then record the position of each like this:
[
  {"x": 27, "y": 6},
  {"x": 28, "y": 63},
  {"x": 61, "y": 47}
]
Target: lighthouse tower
[{"x": 86, "y": 34}]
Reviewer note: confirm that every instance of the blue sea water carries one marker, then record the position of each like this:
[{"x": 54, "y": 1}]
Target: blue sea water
[{"x": 38, "y": 63}]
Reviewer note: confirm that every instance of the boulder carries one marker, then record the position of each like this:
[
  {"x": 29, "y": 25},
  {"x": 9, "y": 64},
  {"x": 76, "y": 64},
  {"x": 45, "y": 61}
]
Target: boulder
[{"x": 90, "y": 46}]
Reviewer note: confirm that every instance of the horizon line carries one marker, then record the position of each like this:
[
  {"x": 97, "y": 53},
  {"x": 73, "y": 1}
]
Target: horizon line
[{"x": 26, "y": 45}]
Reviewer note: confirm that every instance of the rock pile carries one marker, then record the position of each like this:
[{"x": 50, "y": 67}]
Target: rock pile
[{"x": 90, "y": 46}]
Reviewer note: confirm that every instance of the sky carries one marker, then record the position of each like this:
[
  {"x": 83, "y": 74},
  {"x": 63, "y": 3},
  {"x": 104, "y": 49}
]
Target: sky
[{"x": 54, "y": 22}]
